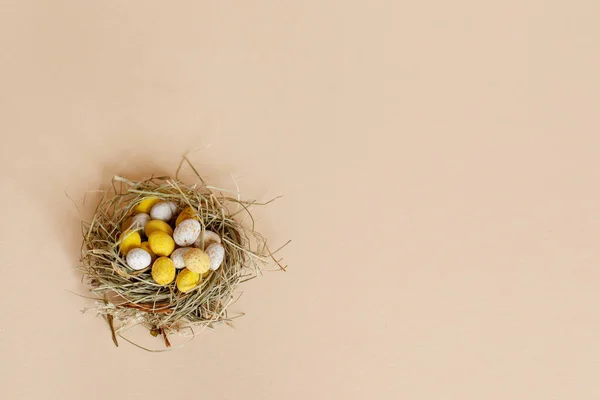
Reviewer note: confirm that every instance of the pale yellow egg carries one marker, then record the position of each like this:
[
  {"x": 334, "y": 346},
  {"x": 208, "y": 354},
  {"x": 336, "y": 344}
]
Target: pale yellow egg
[
  {"x": 204, "y": 275},
  {"x": 197, "y": 261}
]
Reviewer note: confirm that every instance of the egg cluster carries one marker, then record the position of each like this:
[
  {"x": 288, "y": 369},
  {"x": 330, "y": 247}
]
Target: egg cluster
[{"x": 176, "y": 247}]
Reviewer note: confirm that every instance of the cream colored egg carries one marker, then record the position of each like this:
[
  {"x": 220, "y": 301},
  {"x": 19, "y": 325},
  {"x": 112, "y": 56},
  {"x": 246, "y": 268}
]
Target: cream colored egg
[
  {"x": 177, "y": 257},
  {"x": 173, "y": 207},
  {"x": 187, "y": 232},
  {"x": 163, "y": 211},
  {"x": 138, "y": 258},
  {"x": 138, "y": 221},
  {"x": 216, "y": 253},
  {"x": 206, "y": 238}
]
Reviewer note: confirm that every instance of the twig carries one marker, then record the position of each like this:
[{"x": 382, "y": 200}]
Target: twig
[{"x": 109, "y": 319}]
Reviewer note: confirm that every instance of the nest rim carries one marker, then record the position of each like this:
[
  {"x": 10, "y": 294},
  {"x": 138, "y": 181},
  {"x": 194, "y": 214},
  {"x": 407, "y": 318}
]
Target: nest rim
[{"x": 168, "y": 310}]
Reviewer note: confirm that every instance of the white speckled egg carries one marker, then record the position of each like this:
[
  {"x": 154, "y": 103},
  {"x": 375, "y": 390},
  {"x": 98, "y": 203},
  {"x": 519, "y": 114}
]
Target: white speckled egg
[
  {"x": 138, "y": 222},
  {"x": 177, "y": 257},
  {"x": 163, "y": 211},
  {"x": 216, "y": 253},
  {"x": 206, "y": 238},
  {"x": 138, "y": 259},
  {"x": 187, "y": 232}
]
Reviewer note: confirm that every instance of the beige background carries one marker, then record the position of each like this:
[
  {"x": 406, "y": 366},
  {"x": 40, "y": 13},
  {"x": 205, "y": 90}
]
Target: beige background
[{"x": 439, "y": 162}]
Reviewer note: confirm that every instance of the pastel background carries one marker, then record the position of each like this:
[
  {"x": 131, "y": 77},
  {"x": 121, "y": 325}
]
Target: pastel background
[{"x": 439, "y": 166}]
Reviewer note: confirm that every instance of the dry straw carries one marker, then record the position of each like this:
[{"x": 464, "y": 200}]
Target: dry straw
[{"x": 127, "y": 298}]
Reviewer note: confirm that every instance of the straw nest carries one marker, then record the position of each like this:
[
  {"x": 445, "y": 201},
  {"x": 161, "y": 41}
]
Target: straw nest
[{"x": 128, "y": 298}]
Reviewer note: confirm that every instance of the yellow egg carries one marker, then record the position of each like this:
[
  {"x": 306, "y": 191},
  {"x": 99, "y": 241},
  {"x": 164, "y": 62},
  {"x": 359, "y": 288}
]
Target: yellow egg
[
  {"x": 187, "y": 213},
  {"x": 145, "y": 205},
  {"x": 163, "y": 271},
  {"x": 197, "y": 261},
  {"x": 187, "y": 280},
  {"x": 157, "y": 225},
  {"x": 129, "y": 240},
  {"x": 146, "y": 246},
  {"x": 161, "y": 244}
]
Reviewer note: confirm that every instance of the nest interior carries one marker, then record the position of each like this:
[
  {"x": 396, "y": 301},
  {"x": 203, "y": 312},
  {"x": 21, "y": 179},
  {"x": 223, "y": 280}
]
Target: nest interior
[{"x": 128, "y": 298}]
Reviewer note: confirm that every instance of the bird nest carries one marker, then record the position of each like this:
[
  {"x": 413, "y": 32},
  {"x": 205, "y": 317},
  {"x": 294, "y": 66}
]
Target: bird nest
[{"x": 128, "y": 297}]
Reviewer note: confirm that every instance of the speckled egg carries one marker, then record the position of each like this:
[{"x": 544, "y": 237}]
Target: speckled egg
[
  {"x": 163, "y": 211},
  {"x": 216, "y": 253},
  {"x": 196, "y": 260},
  {"x": 138, "y": 258},
  {"x": 177, "y": 257},
  {"x": 161, "y": 243},
  {"x": 187, "y": 232},
  {"x": 187, "y": 280},
  {"x": 129, "y": 240},
  {"x": 206, "y": 238},
  {"x": 163, "y": 271},
  {"x": 157, "y": 225},
  {"x": 138, "y": 221}
]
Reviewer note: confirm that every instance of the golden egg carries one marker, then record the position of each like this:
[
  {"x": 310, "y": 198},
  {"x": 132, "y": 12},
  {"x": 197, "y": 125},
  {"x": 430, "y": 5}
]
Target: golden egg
[
  {"x": 157, "y": 225},
  {"x": 129, "y": 240},
  {"x": 187, "y": 280},
  {"x": 161, "y": 243},
  {"x": 145, "y": 205},
  {"x": 163, "y": 271}
]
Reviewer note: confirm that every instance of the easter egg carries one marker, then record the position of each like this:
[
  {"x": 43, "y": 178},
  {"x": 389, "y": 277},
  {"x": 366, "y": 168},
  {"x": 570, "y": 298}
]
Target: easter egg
[
  {"x": 161, "y": 243},
  {"x": 187, "y": 280},
  {"x": 163, "y": 271},
  {"x": 177, "y": 257},
  {"x": 138, "y": 221},
  {"x": 138, "y": 258},
  {"x": 216, "y": 253},
  {"x": 157, "y": 225},
  {"x": 145, "y": 205},
  {"x": 206, "y": 238},
  {"x": 146, "y": 246},
  {"x": 187, "y": 213},
  {"x": 163, "y": 211},
  {"x": 187, "y": 232},
  {"x": 129, "y": 240},
  {"x": 197, "y": 261}
]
